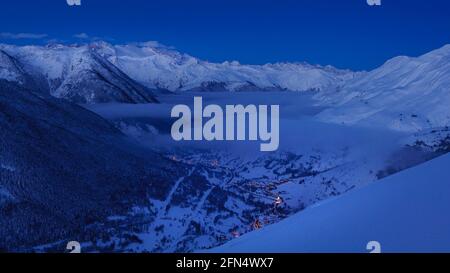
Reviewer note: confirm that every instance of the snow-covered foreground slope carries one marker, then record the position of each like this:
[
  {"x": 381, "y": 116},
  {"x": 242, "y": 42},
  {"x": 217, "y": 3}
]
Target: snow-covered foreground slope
[
  {"x": 406, "y": 93},
  {"x": 406, "y": 212}
]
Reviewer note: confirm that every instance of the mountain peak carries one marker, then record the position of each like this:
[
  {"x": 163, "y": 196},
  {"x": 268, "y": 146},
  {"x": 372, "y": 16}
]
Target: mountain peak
[
  {"x": 443, "y": 49},
  {"x": 438, "y": 53},
  {"x": 405, "y": 94}
]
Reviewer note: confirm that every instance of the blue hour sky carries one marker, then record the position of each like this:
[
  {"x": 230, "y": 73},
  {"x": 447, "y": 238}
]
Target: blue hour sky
[{"x": 344, "y": 33}]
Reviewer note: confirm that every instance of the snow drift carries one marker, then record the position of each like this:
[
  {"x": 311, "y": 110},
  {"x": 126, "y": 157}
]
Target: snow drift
[{"x": 406, "y": 212}]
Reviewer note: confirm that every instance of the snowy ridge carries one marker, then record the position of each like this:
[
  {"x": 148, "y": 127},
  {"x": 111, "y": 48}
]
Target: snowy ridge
[
  {"x": 161, "y": 67},
  {"x": 407, "y": 94}
]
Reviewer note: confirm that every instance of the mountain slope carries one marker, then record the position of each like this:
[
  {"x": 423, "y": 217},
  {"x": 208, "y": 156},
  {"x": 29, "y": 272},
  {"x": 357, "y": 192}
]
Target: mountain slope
[
  {"x": 406, "y": 212},
  {"x": 407, "y": 94},
  {"x": 12, "y": 71},
  {"x": 9, "y": 69},
  {"x": 78, "y": 74},
  {"x": 92, "y": 79},
  {"x": 63, "y": 169}
]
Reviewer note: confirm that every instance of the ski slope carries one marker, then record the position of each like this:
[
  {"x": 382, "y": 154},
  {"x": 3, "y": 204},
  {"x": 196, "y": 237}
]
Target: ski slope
[{"x": 406, "y": 212}]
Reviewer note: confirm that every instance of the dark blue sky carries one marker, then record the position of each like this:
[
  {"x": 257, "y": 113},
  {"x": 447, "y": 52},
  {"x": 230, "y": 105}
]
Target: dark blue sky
[{"x": 343, "y": 33}]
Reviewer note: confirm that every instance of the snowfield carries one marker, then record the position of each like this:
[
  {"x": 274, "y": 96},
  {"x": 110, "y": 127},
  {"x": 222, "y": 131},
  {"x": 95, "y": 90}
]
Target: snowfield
[{"x": 406, "y": 212}]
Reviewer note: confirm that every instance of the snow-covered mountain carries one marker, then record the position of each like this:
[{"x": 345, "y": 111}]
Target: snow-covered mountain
[
  {"x": 406, "y": 93},
  {"x": 78, "y": 74},
  {"x": 154, "y": 195},
  {"x": 102, "y": 72},
  {"x": 161, "y": 67},
  {"x": 405, "y": 212}
]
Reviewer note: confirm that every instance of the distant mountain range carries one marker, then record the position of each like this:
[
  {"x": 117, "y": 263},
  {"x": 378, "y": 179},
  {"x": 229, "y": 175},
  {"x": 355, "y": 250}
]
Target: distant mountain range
[
  {"x": 405, "y": 93},
  {"x": 101, "y": 72},
  {"x": 161, "y": 67}
]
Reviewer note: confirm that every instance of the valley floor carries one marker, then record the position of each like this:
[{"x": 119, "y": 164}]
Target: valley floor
[{"x": 232, "y": 185}]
